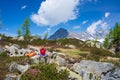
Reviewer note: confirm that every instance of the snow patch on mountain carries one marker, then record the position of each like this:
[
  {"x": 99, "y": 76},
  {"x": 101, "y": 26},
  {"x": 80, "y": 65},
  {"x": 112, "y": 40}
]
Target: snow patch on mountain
[{"x": 63, "y": 33}]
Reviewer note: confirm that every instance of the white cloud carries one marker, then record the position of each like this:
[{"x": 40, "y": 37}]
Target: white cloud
[
  {"x": 48, "y": 30},
  {"x": 23, "y": 7},
  {"x": 107, "y": 14},
  {"x": 89, "y": 0},
  {"x": 8, "y": 34},
  {"x": 76, "y": 27},
  {"x": 91, "y": 29},
  {"x": 96, "y": 25},
  {"x": 54, "y": 12},
  {"x": 84, "y": 22}
]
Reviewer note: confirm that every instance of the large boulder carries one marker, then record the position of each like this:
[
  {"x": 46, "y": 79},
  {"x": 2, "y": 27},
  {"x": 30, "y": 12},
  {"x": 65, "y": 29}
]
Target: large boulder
[
  {"x": 87, "y": 68},
  {"x": 112, "y": 75},
  {"x": 15, "y": 50},
  {"x": 17, "y": 67},
  {"x": 11, "y": 50}
]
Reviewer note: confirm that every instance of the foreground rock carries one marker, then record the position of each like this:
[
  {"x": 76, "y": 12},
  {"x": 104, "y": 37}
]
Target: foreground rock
[
  {"x": 89, "y": 70},
  {"x": 21, "y": 68},
  {"x": 111, "y": 75},
  {"x": 12, "y": 77}
]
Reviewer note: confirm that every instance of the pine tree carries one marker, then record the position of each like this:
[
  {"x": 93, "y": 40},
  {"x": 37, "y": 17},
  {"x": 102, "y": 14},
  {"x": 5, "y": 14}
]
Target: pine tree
[
  {"x": 106, "y": 42},
  {"x": 25, "y": 28},
  {"x": 116, "y": 31},
  {"x": 19, "y": 32}
]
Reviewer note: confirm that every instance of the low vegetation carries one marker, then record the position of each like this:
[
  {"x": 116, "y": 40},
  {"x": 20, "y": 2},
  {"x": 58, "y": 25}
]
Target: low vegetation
[
  {"x": 5, "y": 62},
  {"x": 46, "y": 72}
]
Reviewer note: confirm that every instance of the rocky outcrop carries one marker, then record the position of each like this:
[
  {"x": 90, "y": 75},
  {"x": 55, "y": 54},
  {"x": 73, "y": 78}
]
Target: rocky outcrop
[
  {"x": 16, "y": 68},
  {"x": 91, "y": 69},
  {"x": 21, "y": 68},
  {"x": 16, "y": 50}
]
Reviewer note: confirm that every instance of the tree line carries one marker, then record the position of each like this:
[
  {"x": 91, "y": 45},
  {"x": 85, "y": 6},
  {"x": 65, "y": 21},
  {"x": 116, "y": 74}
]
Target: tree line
[
  {"x": 112, "y": 37},
  {"x": 24, "y": 30}
]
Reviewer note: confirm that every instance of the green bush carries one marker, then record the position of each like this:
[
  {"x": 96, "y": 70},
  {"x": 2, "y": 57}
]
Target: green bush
[
  {"x": 47, "y": 72},
  {"x": 100, "y": 52},
  {"x": 118, "y": 54},
  {"x": 3, "y": 54}
]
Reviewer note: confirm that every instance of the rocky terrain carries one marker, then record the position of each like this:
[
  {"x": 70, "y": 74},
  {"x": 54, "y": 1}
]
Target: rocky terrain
[{"x": 78, "y": 69}]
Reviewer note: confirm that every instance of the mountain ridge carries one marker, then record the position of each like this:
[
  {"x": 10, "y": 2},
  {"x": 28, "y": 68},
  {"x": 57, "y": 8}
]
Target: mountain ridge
[{"x": 64, "y": 33}]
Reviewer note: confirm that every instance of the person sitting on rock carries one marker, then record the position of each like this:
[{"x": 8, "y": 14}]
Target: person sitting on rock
[{"x": 43, "y": 53}]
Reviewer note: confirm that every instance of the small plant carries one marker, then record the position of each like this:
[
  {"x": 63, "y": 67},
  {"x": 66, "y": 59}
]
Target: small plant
[{"x": 91, "y": 76}]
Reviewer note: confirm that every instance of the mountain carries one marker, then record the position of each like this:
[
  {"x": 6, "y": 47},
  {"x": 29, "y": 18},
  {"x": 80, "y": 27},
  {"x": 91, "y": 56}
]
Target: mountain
[{"x": 64, "y": 33}]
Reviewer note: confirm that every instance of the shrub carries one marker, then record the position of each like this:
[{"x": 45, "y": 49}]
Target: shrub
[
  {"x": 118, "y": 54},
  {"x": 47, "y": 72},
  {"x": 3, "y": 54},
  {"x": 100, "y": 52}
]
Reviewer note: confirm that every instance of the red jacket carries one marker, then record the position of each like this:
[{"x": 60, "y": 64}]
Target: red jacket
[{"x": 43, "y": 51}]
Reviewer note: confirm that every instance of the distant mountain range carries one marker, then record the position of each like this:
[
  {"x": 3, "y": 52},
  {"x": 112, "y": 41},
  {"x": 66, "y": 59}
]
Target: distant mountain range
[{"x": 64, "y": 33}]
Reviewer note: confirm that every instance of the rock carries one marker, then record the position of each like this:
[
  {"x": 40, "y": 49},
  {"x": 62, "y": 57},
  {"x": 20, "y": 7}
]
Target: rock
[
  {"x": 112, "y": 75},
  {"x": 21, "y": 68},
  {"x": 17, "y": 46},
  {"x": 12, "y": 77},
  {"x": 87, "y": 67},
  {"x": 35, "y": 58},
  {"x": 11, "y": 51},
  {"x": 33, "y": 48},
  {"x": 70, "y": 46},
  {"x": 1, "y": 49},
  {"x": 21, "y": 38},
  {"x": 60, "y": 60},
  {"x": 71, "y": 60},
  {"x": 72, "y": 75},
  {"x": 15, "y": 50}
]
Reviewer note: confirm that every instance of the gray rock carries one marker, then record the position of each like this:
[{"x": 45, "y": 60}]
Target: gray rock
[
  {"x": 12, "y": 50},
  {"x": 60, "y": 60},
  {"x": 96, "y": 68},
  {"x": 21, "y": 68},
  {"x": 12, "y": 77},
  {"x": 1, "y": 49},
  {"x": 112, "y": 75}
]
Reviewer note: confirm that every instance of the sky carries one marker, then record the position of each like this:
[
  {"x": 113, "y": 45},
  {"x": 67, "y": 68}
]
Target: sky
[{"x": 50, "y": 15}]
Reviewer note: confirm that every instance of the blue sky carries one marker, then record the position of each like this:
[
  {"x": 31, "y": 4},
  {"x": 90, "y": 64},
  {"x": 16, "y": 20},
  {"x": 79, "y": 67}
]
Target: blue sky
[{"x": 50, "y": 15}]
